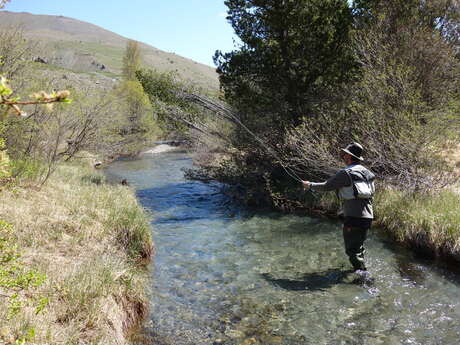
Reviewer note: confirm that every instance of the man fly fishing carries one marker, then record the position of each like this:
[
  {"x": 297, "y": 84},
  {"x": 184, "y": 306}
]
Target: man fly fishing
[{"x": 355, "y": 186}]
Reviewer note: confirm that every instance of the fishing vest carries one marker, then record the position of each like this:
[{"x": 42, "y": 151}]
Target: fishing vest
[{"x": 362, "y": 184}]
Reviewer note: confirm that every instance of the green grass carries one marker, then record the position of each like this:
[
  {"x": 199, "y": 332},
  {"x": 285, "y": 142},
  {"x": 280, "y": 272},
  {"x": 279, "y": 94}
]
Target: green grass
[
  {"x": 422, "y": 219},
  {"x": 108, "y": 55}
]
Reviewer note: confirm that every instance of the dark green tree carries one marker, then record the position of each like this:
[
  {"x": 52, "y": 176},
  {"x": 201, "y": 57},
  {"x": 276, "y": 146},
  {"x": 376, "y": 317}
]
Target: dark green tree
[{"x": 292, "y": 52}]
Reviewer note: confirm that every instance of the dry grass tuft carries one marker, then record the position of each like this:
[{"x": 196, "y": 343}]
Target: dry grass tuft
[
  {"x": 91, "y": 242},
  {"x": 452, "y": 153}
]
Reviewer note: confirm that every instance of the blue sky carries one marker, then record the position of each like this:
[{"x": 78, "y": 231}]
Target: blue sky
[{"x": 191, "y": 28}]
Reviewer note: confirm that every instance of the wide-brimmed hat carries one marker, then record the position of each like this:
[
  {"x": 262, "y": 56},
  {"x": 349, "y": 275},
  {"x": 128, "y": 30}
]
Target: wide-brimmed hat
[{"x": 354, "y": 150}]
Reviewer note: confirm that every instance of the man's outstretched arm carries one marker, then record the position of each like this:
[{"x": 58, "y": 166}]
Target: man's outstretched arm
[{"x": 339, "y": 180}]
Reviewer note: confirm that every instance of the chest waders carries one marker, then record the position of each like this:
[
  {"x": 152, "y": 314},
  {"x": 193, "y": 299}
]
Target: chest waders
[{"x": 355, "y": 230}]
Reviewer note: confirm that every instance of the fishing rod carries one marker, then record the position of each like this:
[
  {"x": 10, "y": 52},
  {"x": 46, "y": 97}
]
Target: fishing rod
[
  {"x": 230, "y": 115},
  {"x": 272, "y": 151}
]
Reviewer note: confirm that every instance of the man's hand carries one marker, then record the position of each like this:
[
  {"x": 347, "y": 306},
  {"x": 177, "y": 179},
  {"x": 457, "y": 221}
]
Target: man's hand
[{"x": 306, "y": 185}]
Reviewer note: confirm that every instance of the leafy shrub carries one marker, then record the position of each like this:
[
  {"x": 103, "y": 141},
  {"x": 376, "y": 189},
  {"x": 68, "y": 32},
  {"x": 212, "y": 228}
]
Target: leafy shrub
[{"x": 18, "y": 285}]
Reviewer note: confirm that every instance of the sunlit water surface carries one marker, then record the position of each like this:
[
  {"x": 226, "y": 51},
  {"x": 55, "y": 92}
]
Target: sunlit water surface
[{"x": 226, "y": 275}]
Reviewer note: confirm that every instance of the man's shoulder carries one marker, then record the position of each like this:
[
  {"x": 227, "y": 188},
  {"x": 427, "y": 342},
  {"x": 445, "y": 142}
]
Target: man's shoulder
[
  {"x": 343, "y": 171},
  {"x": 359, "y": 172},
  {"x": 358, "y": 167},
  {"x": 342, "y": 176}
]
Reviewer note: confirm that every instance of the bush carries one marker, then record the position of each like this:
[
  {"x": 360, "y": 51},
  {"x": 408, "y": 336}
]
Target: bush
[{"x": 19, "y": 289}]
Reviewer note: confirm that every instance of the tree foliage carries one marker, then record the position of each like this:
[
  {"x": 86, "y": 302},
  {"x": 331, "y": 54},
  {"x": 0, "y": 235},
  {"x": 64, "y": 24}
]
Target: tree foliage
[
  {"x": 131, "y": 60},
  {"x": 292, "y": 52},
  {"x": 311, "y": 76},
  {"x": 137, "y": 125},
  {"x": 173, "y": 112}
]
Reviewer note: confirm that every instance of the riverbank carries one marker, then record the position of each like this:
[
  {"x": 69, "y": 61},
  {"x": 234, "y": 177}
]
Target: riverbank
[
  {"x": 75, "y": 257},
  {"x": 428, "y": 223}
]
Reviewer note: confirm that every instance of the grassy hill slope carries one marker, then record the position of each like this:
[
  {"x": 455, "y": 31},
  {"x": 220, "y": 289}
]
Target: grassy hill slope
[{"x": 84, "y": 47}]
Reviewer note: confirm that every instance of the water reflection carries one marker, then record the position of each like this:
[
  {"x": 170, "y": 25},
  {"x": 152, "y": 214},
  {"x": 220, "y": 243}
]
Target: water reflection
[{"x": 312, "y": 281}]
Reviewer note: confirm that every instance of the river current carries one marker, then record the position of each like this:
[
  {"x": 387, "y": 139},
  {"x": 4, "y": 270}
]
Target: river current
[{"x": 224, "y": 274}]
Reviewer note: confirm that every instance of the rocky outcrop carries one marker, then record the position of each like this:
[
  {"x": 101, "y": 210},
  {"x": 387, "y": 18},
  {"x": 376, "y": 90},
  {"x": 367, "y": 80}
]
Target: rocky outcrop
[
  {"x": 40, "y": 59},
  {"x": 99, "y": 66}
]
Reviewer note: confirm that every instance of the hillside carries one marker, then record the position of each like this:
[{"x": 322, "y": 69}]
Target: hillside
[{"x": 84, "y": 47}]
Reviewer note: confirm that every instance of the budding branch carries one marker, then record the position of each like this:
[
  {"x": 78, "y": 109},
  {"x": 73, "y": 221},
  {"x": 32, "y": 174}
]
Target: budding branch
[{"x": 47, "y": 101}]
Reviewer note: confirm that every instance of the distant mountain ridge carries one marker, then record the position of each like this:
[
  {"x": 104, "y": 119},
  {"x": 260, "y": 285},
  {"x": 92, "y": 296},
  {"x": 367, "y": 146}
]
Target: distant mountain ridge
[{"x": 85, "y": 47}]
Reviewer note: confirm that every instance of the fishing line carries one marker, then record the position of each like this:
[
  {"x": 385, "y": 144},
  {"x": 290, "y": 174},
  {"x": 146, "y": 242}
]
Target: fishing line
[
  {"x": 269, "y": 149},
  {"x": 229, "y": 114}
]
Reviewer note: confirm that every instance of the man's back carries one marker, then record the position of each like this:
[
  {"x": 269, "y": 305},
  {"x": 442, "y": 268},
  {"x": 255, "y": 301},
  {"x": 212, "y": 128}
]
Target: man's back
[{"x": 357, "y": 208}]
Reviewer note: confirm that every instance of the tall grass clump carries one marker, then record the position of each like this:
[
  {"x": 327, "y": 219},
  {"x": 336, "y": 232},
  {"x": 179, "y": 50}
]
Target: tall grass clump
[
  {"x": 87, "y": 248},
  {"x": 127, "y": 221},
  {"x": 428, "y": 222}
]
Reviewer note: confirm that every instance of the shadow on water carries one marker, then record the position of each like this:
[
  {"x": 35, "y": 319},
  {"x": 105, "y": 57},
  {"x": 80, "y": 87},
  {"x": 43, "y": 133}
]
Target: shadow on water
[
  {"x": 191, "y": 200},
  {"x": 318, "y": 281},
  {"x": 187, "y": 201}
]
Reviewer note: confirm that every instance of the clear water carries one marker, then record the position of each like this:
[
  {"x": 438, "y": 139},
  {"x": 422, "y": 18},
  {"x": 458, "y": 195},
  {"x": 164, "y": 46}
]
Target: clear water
[{"x": 225, "y": 275}]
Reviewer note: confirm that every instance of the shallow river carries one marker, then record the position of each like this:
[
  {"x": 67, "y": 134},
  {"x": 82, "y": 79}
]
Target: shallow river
[{"x": 227, "y": 275}]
